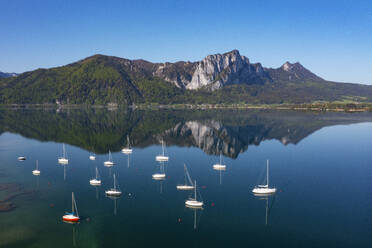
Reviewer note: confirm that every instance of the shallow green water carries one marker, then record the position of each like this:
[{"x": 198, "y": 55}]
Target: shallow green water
[{"x": 320, "y": 163}]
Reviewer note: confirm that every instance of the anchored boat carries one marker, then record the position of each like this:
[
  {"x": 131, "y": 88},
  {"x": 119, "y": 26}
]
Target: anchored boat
[
  {"x": 36, "y": 172},
  {"x": 109, "y": 162},
  {"x": 63, "y": 159},
  {"x": 264, "y": 189},
  {"x": 162, "y": 157},
  {"x": 74, "y": 215},
  {"x": 95, "y": 181},
  {"x": 193, "y": 202},
  {"x": 188, "y": 183},
  {"x": 92, "y": 156},
  {"x": 219, "y": 166},
  {"x": 127, "y": 150},
  {"x": 115, "y": 191}
]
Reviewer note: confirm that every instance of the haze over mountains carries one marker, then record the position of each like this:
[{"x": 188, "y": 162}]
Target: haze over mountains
[{"x": 218, "y": 78}]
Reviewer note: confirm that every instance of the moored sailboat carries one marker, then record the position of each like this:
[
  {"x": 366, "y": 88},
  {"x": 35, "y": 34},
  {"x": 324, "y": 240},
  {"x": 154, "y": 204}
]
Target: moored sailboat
[
  {"x": 36, "y": 172},
  {"x": 109, "y": 162},
  {"x": 188, "y": 182},
  {"x": 193, "y": 202},
  {"x": 73, "y": 216},
  {"x": 264, "y": 189},
  {"x": 128, "y": 149},
  {"x": 219, "y": 166},
  {"x": 63, "y": 159},
  {"x": 115, "y": 191},
  {"x": 162, "y": 157},
  {"x": 95, "y": 181}
]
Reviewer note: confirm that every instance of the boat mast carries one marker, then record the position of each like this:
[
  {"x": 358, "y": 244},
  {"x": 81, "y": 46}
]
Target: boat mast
[
  {"x": 114, "y": 182},
  {"x": 63, "y": 151},
  {"x": 185, "y": 171},
  {"x": 96, "y": 173},
  {"x": 267, "y": 173},
  {"x": 195, "y": 190},
  {"x": 72, "y": 202},
  {"x": 37, "y": 164},
  {"x": 162, "y": 145}
]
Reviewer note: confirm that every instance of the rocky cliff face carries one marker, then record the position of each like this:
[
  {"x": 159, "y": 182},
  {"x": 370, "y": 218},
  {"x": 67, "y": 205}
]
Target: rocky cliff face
[{"x": 213, "y": 72}]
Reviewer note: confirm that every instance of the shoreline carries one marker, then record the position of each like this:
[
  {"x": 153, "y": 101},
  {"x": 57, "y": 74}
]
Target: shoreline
[{"x": 319, "y": 107}]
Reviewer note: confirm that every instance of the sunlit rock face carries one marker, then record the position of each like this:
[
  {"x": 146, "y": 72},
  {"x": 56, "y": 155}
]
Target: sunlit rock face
[{"x": 213, "y": 72}]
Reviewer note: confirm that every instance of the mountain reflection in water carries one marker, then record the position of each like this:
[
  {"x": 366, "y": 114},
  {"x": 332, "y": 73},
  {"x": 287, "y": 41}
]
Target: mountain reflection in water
[{"x": 229, "y": 132}]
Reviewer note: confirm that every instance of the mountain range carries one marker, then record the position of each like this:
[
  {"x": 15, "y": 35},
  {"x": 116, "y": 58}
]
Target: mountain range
[{"x": 219, "y": 78}]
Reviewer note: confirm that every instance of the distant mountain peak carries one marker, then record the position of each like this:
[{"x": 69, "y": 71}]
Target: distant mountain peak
[
  {"x": 8, "y": 74},
  {"x": 298, "y": 71}
]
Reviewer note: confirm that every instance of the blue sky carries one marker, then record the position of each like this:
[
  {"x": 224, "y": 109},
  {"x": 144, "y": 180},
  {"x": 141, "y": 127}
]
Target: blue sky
[{"x": 331, "y": 38}]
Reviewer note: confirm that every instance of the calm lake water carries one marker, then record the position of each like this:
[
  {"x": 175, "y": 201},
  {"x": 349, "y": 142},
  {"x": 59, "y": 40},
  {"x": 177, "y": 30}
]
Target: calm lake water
[{"x": 321, "y": 164}]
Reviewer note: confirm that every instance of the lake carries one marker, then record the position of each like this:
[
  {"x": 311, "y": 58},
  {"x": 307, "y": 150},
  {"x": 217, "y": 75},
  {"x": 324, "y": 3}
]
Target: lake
[{"x": 320, "y": 163}]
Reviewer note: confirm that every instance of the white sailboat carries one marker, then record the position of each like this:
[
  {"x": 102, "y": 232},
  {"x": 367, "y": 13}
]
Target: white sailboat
[
  {"x": 188, "y": 182},
  {"x": 162, "y": 157},
  {"x": 95, "y": 181},
  {"x": 264, "y": 189},
  {"x": 63, "y": 159},
  {"x": 109, "y": 162},
  {"x": 36, "y": 172},
  {"x": 127, "y": 150},
  {"x": 92, "y": 156},
  {"x": 193, "y": 202},
  {"x": 115, "y": 191},
  {"x": 74, "y": 215},
  {"x": 161, "y": 175},
  {"x": 219, "y": 166}
]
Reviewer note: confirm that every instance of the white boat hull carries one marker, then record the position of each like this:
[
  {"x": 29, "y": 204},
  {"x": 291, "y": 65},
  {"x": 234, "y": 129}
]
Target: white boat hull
[
  {"x": 161, "y": 158},
  {"x": 63, "y": 161},
  {"x": 108, "y": 163},
  {"x": 219, "y": 167},
  {"x": 193, "y": 204},
  {"x": 158, "y": 176},
  {"x": 21, "y": 158},
  {"x": 185, "y": 187},
  {"x": 264, "y": 191},
  {"x": 95, "y": 182},
  {"x": 127, "y": 151},
  {"x": 92, "y": 157},
  {"x": 113, "y": 192},
  {"x": 36, "y": 172}
]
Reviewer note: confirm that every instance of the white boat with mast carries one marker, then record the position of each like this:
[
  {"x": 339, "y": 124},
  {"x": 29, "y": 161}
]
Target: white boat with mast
[
  {"x": 115, "y": 191},
  {"x": 219, "y": 166},
  {"x": 160, "y": 175},
  {"x": 188, "y": 182},
  {"x": 109, "y": 162},
  {"x": 74, "y": 215},
  {"x": 36, "y": 172},
  {"x": 95, "y": 181},
  {"x": 264, "y": 189},
  {"x": 128, "y": 149},
  {"x": 193, "y": 202},
  {"x": 162, "y": 157},
  {"x": 63, "y": 159}
]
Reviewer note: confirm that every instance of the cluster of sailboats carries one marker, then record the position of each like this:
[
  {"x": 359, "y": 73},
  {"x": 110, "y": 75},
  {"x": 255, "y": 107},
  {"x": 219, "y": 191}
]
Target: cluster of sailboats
[{"x": 193, "y": 202}]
